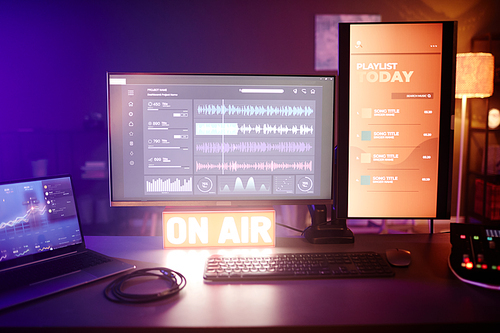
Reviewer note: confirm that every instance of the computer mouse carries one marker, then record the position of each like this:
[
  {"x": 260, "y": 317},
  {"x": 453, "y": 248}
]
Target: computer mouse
[{"x": 398, "y": 257}]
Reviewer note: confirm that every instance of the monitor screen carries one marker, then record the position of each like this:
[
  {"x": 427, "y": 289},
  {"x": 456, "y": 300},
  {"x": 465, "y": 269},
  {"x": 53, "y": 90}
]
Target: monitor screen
[
  {"x": 396, "y": 107},
  {"x": 37, "y": 216},
  {"x": 220, "y": 140}
]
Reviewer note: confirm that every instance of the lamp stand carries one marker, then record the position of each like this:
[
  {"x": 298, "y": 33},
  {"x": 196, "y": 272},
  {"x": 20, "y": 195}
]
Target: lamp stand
[{"x": 461, "y": 161}]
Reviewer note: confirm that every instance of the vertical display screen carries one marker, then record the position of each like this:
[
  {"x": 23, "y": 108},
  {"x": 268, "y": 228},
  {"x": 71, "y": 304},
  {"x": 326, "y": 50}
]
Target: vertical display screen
[{"x": 394, "y": 119}]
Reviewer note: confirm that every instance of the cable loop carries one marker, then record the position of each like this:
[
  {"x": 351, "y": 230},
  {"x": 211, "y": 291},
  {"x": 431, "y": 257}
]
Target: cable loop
[{"x": 115, "y": 292}]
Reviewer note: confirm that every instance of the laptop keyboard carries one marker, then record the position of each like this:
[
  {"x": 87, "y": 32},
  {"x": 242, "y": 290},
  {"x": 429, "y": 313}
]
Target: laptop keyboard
[
  {"x": 296, "y": 266},
  {"x": 49, "y": 269}
]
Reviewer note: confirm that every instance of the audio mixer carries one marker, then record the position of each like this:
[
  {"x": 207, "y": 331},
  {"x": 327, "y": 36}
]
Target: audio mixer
[{"x": 475, "y": 254}]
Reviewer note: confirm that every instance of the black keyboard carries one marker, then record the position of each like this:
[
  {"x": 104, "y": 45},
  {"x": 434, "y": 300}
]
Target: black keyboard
[
  {"x": 297, "y": 266},
  {"x": 49, "y": 269}
]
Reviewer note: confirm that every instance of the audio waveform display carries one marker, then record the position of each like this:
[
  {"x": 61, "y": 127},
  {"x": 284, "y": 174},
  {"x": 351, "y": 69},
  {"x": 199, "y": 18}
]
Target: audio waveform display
[
  {"x": 249, "y": 110},
  {"x": 235, "y": 129},
  {"x": 253, "y": 147},
  {"x": 258, "y": 166},
  {"x": 249, "y": 187},
  {"x": 276, "y": 129},
  {"x": 160, "y": 185},
  {"x": 25, "y": 218}
]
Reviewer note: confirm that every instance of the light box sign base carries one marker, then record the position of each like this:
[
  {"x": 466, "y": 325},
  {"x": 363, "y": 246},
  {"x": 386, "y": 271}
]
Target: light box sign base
[{"x": 221, "y": 228}]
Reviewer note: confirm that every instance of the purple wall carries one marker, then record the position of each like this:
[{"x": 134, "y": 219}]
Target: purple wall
[{"x": 55, "y": 54}]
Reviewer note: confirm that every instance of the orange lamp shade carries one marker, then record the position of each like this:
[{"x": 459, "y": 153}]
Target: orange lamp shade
[{"x": 475, "y": 75}]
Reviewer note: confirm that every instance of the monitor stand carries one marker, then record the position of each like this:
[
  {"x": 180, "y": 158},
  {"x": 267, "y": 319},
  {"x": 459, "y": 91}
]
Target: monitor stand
[{"x": 323, "y": 231}]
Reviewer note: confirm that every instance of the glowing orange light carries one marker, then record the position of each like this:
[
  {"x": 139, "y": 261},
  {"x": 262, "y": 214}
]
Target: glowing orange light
[
  {"x": 225, "y": 228},
  {"x": 475, "y": 74}
]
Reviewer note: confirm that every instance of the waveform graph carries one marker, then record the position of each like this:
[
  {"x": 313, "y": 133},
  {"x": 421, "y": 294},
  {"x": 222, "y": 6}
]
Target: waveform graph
[
  {"x": 244, "y": 184},
  {"x": 210, "y": 129},
  {"x": 277, "y": 129},
  {"x": 42, "y": 248},
  {"x": 31, "y": 217},
  {"x": 259, "y": 129},
  {"x": 234, "y": 146},
  {"x": 256, "y": 164},
  {"x": 3, "y": 255},
  {"x": 255, "y": 108},
  {"x": 21, "y": 251},
  {"x": 165, "y": 185}
]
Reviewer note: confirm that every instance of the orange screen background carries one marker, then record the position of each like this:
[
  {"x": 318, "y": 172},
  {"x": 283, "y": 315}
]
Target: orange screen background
[{"x": 394, "y": 126}]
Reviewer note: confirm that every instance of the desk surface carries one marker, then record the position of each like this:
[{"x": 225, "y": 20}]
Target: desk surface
[{"x": 425, "y": 293}]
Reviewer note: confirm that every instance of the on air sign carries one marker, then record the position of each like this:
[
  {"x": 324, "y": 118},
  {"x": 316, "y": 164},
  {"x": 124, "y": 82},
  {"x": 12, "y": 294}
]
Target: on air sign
[{"x": 218, "y": 228}]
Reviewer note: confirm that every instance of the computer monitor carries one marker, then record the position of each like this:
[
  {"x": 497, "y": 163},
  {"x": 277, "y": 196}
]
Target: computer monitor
[
  {"x": 217, "y": 141},
  {"x": 396, "y": 114}
]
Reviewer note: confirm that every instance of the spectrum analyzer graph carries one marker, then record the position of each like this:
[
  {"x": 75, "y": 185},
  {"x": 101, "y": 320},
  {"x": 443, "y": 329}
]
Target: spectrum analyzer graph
[
  {"x": 169, "y": 185},
  {"x": 239, "y": 184}
]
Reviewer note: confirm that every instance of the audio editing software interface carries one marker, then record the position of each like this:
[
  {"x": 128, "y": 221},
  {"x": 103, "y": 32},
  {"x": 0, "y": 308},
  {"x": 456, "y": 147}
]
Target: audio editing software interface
[
  {"x": 199, "y": 138},
  {"x": 37, "y": 216}
]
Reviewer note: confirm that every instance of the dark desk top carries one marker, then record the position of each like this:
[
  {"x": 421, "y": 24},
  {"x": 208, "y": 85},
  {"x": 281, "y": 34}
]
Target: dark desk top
[{"x": 425, "y": 293}]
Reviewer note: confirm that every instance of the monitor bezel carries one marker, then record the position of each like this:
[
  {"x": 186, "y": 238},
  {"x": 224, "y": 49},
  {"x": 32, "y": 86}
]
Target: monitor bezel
[{"x": 222, "y": 204}]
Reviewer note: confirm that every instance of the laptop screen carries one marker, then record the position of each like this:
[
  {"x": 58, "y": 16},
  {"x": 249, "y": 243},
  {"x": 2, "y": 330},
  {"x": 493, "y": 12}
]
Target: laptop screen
[{"x": 37, "y": 216}]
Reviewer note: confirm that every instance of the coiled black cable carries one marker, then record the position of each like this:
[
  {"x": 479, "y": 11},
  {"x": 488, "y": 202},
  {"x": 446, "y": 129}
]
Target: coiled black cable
[{"x": 115, "y": 292}]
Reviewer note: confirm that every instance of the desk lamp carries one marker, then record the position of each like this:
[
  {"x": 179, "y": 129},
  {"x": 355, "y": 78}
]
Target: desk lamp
[{"x": 474, "y": 79}]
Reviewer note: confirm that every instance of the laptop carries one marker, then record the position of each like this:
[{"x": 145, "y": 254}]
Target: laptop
[{"x": 42, "y": 249}]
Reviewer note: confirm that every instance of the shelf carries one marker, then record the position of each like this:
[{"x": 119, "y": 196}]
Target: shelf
[{"x": 480, "y": 140}]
